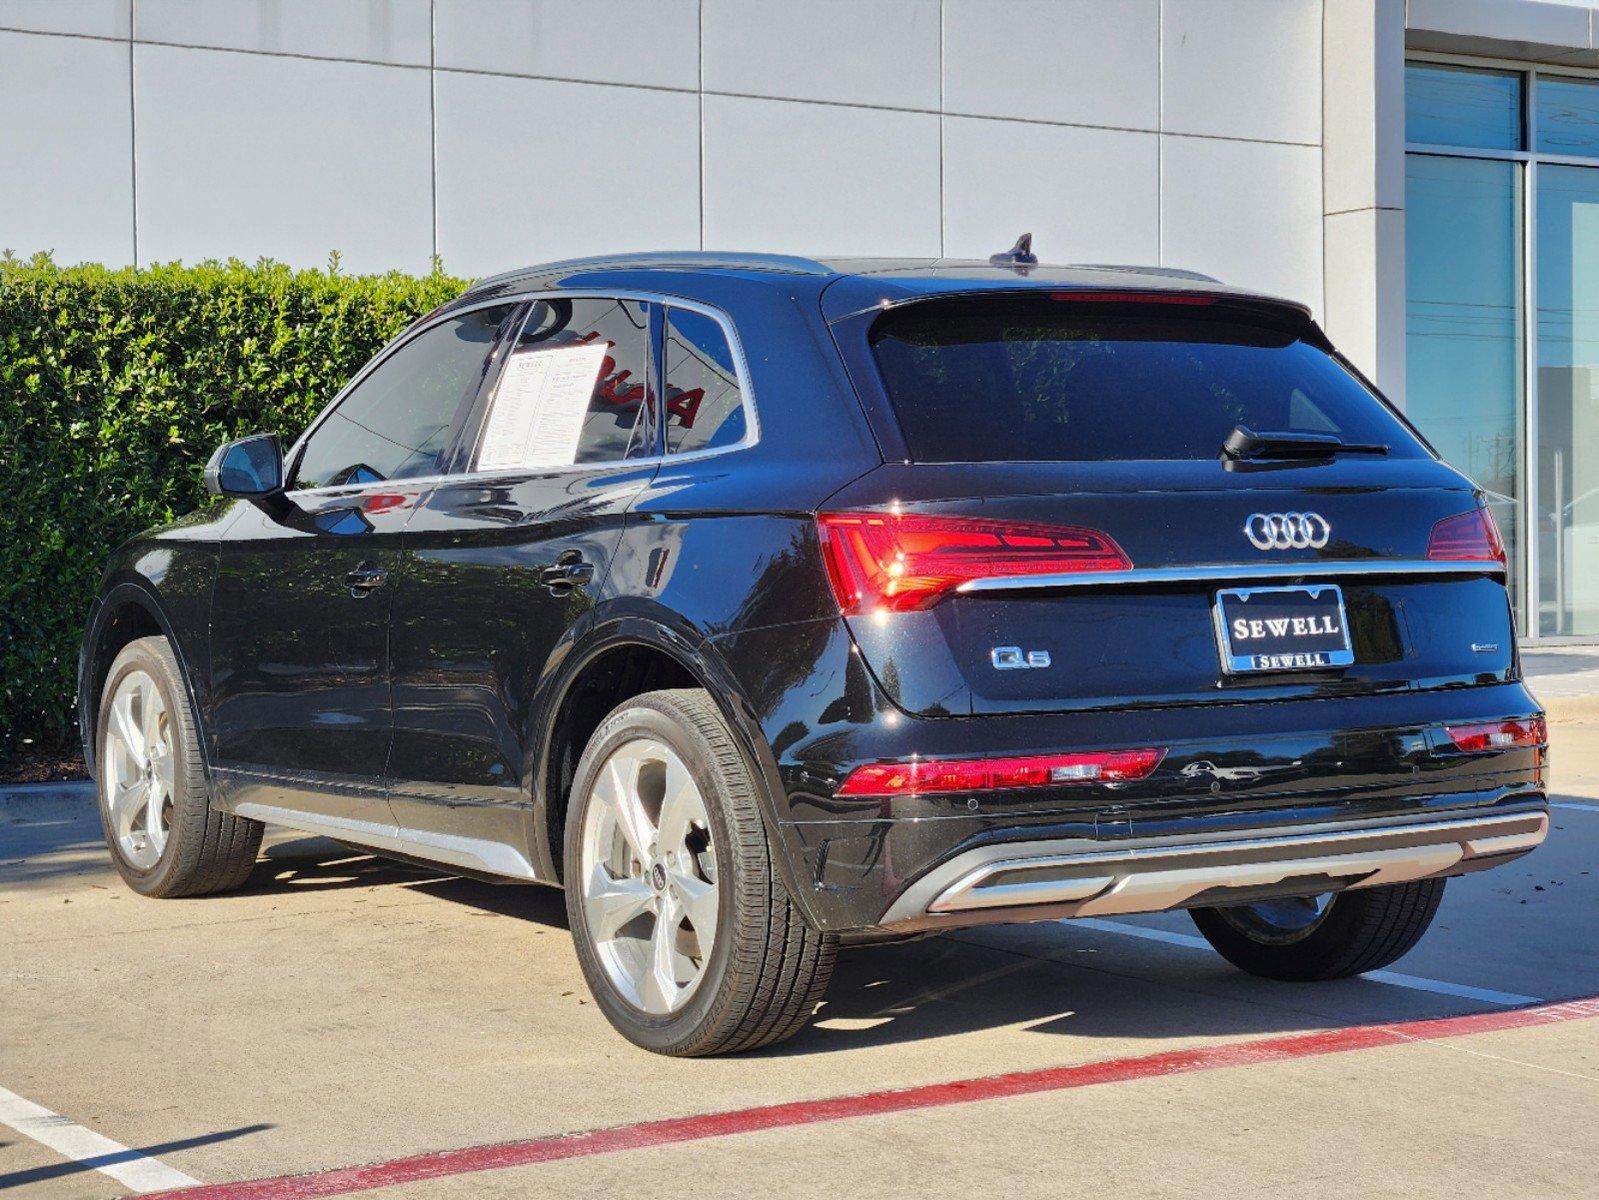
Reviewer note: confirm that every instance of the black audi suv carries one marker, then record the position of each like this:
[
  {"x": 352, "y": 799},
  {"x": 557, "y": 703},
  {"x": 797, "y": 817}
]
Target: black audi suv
[{"x": 769, "y": 604}]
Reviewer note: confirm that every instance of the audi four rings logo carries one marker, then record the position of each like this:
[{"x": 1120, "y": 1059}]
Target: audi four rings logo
[{"x": 1287, "y": 531}]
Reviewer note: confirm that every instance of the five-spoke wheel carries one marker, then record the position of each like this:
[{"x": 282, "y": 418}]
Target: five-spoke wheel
[{"x": 139, "y": 770}]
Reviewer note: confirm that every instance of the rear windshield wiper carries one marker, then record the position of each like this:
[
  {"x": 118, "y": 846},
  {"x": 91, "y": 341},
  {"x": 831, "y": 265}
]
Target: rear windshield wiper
[{"x": 1245, "y": 443}]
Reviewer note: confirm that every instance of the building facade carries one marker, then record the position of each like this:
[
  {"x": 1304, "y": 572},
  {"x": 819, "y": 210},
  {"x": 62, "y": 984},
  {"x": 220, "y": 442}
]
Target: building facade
[{"x": 1424, "y": 175}]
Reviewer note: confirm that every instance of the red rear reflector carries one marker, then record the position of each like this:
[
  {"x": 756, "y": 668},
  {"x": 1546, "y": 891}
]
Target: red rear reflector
[
  {"x": 905, "y": 561},
  {"x": 1470, "y": 537},
  {"x": 924, "y": 776},
  {"x": 1499, "y": 735},
  {"x": 1136, "y": 297}
]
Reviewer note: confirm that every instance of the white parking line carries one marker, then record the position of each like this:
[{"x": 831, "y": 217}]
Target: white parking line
[
  {"x": 71, "y": 1140},
  {"x": 1397, "y": 978},
  {"x": 1574, "y": 804}
]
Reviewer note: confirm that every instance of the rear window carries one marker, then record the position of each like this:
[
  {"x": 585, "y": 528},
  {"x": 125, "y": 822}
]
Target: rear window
[{"x": 1039, "y": 380}]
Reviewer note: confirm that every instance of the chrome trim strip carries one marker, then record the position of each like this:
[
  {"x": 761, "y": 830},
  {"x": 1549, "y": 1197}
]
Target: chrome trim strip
[
  {"x": 1232, "y": 573},
  {"x": 1171, "y": 873},
  {"x": 496, "y": 858}
]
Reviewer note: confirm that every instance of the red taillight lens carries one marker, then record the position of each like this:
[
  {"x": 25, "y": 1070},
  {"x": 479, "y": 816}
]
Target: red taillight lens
[
  {"x": 905, "y": 560},
  {"x": 1499, "y": 735},
  {"x": 924, "y": 776},
  {"x": 1470, "y": 537}
]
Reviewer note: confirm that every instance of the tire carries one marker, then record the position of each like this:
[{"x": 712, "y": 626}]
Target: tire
[
  {"x": 765, "y": 969},
  {"x": 195, "y": 849},
  {"x": 1359, "y": 931}
]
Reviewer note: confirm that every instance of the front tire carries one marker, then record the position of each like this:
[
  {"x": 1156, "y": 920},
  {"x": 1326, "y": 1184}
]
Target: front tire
[
  {"x": 155, "y": 804},
  {"x": 1332, "y": 936},
  {"x": 686, "y": 935}
]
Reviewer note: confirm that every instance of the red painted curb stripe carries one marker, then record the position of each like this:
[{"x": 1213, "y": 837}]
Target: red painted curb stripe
[{"x": 345, "y": 1180}]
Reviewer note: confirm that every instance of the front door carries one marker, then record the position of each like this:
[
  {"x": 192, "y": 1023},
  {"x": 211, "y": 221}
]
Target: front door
[{"x": 302, "y": 715}]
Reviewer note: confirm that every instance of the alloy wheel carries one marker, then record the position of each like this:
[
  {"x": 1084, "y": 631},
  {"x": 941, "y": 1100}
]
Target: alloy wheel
[
  {"x": 1279, "y": 921},
  {"x": 140, "y": 773},
  {"x": 648, "y": 876}
]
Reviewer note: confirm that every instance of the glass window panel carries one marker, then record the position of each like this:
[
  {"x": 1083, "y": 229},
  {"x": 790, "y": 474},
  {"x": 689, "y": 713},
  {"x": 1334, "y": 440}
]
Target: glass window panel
[
  {"x": 1463, "y": 356},
  {"x": 1451, "y": 106},
  {"x": 704, "y": 403},
  {"x": 397, "y": 424},
  {"x": 1568, "y": 116},
  {"x": 1568, "y": 400}
]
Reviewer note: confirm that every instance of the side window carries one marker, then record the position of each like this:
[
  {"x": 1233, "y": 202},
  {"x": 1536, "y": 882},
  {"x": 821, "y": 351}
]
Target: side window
[
  {"x": 396, "y": 424},
  {"x": 574, "y": 389},
  {"x": 704, "y": 402}
]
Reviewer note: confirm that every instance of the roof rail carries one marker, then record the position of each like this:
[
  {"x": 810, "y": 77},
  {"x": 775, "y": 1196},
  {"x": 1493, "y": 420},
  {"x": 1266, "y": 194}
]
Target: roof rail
[
  {"x": 668, "y": 258},
  {"x": 1133, "y": 268}
]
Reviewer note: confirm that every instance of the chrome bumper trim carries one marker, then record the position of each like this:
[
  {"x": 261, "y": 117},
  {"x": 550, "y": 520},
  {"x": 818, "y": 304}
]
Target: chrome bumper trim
[
  {"x": 1233, "y": 573},
  {"x": 1074, "y": 880}
]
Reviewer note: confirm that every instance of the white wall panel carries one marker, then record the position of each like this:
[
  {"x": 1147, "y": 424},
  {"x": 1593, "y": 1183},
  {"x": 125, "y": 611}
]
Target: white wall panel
[
  {"x": 1087, "y": 195},
  {"x": 1087, "y": 62},
  {"x": 589, "y": 170},
  {"x": 66, "y": 180},
  {"x": 1242, "y": 68},
  {"x": 96, "y": 18},
  {"x": 249, "y": 155},
  {"x": 1246, "y": 212},
  {"x": 393, "y": 31},
  {"x": 819, "y": 178},
  {"x": 652, "y": 42},
  {"x": 846, "y": 51}
]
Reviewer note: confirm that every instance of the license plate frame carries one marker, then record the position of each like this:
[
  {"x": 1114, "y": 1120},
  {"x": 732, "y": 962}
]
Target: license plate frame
[{"x": 1326, "y": 653}]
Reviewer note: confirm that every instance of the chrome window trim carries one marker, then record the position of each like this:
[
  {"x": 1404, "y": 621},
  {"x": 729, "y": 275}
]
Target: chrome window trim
[
  {"x": 1232, "y": 573},
  {"x": 752, "y": 425}
]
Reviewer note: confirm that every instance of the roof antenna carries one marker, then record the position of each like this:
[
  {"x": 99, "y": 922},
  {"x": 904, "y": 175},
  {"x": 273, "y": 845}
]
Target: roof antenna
[{"x": 1020, "y": 255}]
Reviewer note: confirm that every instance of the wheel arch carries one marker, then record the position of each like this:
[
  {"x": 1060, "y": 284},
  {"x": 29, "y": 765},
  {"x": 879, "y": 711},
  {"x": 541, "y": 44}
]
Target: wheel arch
[
  {"x": 623, "y": 657},
  {"x": 128, "y": 611}
]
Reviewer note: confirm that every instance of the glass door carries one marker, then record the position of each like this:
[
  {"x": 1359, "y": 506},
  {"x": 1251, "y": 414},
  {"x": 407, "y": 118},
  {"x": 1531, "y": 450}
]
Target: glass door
[{"x": 1568, "y": 400}]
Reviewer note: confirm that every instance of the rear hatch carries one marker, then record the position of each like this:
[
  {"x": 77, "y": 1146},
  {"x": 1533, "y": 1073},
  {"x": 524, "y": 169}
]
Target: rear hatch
[{"x": 1064, "y": 530}]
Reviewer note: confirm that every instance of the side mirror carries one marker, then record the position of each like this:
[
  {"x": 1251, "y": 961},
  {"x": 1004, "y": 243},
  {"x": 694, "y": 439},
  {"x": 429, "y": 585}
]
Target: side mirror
[{"x": 249, "y": 468}]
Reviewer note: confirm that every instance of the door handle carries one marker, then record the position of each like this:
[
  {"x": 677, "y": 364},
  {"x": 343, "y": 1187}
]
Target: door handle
[
  {"x": 570, "y": 571},
  {"x": 364, "y": 579}
]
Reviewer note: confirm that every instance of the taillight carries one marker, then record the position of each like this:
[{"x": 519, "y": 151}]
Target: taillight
[
  {"x": 1498, "y": 735},
  {"x": 932, "y": 776},
  {"x": 1470, "y": 537},
  {"x": 909, "y": 560}
]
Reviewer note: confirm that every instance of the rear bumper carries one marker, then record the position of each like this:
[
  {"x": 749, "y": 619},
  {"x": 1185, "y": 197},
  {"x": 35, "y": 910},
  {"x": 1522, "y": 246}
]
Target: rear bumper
[{"x": 1079, "y": 878}]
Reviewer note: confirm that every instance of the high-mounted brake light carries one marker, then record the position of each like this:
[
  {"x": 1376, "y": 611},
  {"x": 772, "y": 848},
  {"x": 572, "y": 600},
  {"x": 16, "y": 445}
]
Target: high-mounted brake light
[
  {"x": 1469, "y": 537},
  {"x": 902, "y": 561},
  {"x": 1135, "y": 297},
  {"x": 934, "y": 776},
  {"x": 1498, "y": 735}
]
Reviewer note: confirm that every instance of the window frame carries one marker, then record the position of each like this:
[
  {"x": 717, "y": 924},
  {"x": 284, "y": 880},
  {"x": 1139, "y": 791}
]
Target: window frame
[
  {"x": 1529, "y": 158},
  {"x": 465, "y": 437},
  {"x": 740, "y": 378}
]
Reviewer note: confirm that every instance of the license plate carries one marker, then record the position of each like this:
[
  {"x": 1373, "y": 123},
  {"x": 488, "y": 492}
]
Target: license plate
[{"x": 1282, "y": 629}]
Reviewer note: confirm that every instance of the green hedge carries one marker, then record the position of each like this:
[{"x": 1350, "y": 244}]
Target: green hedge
[{"x": 115, "y": 387}]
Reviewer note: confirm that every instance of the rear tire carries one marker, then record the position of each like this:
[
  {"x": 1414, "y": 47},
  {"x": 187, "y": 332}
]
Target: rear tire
[
  {"x": 155, "y": 804},
  {"x": 680, "y": 862},
  {"x": 1358, "y": 931}
]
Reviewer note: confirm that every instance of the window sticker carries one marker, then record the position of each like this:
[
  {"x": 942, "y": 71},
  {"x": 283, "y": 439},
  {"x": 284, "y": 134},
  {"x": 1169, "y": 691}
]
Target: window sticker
[{"x": 537, "y": 415}]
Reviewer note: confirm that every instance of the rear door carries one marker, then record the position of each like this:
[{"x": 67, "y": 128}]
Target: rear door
[
  {"x": 502, "y": 560},
  {"x": 1088, "y": 544},
  {"x": 300, "y": 621}
]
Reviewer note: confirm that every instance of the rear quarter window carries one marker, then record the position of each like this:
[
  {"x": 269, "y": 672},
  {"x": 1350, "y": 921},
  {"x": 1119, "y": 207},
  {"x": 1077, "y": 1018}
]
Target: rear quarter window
[{"x": 1038, "y": 380}]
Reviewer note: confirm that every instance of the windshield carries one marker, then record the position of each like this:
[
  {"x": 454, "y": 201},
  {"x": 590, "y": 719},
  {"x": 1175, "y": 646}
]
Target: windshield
[{"x": 1042, "y": 379}]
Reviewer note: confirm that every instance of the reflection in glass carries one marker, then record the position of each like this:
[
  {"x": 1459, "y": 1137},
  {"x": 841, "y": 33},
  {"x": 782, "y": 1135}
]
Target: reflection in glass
[
  {"x": 1568, "y": 116},
  {"x": 1463, "y": 322},
  {"x": 1451, "y": 106},
  {"x": 1568, "y": 400}
]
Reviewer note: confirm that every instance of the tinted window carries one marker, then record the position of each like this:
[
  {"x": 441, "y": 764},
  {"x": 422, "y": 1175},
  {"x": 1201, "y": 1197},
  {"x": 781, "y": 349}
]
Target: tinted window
[
  {"x": 1449, "y": 106},
  {"x": 396, "y": 424},
  {"x": 593, "y": 352},
  {"x": 1030, "y": 380},
  {"x": 1568, "y": 116},
  {"x": 704, "y": 403}
]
